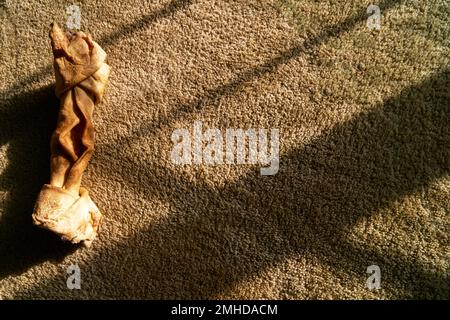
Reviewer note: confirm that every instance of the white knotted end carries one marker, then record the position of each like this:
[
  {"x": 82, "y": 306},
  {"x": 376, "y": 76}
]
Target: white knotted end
[{"x": 75, "y": 219}]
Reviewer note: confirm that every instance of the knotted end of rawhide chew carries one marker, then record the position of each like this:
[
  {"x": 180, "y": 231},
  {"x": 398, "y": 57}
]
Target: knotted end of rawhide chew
[
  {"x": 76, "y": 219},
  {"x": 81, "y": 74}
]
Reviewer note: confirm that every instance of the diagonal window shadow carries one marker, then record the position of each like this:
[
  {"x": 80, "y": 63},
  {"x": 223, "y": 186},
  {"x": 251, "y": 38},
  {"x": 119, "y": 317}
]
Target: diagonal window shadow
[
  {"x": 308, "y": 47},
  {"x": 218, "y": 237}
]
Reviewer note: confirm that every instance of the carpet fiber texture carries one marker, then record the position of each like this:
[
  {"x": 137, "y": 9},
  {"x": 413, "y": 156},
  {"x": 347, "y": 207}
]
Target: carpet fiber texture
[{"x": 364, "y": 131}]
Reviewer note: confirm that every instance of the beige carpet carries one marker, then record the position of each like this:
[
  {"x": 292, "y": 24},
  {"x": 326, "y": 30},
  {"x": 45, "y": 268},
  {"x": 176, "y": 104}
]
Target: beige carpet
[{"x": 364, "y": 120}]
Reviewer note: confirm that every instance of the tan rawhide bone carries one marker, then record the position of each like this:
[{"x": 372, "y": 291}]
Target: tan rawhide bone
[{"x": 63, "y": 206}]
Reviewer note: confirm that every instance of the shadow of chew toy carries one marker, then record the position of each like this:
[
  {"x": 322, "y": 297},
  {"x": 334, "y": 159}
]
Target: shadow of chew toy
[{"x": 63, "y": 206}]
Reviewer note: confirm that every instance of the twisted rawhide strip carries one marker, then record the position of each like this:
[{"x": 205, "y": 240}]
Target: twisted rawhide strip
[{"x": 63, "y": 206}]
